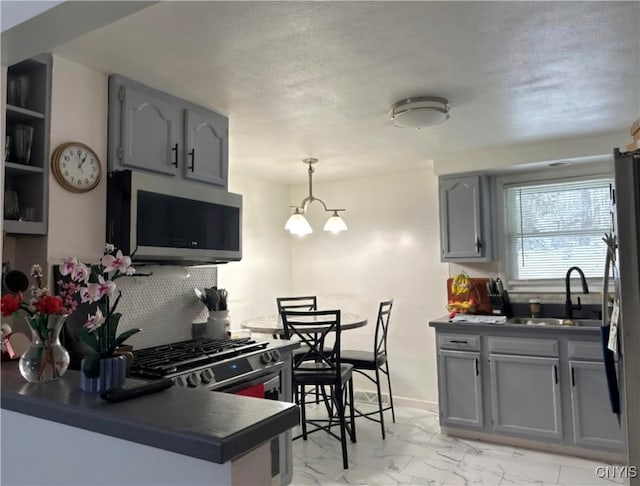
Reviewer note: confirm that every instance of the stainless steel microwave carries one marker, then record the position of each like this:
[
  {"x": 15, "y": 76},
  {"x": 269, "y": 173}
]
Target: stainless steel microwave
[{"x": 163, "y": 220}]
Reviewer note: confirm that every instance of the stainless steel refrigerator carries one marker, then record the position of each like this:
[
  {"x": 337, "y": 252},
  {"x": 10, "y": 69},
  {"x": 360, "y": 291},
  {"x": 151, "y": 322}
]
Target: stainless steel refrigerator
[{"x": 622, "y": 316}]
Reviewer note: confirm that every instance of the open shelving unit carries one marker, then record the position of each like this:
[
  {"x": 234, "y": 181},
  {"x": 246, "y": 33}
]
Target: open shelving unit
[{"x": 29, "y": 179}]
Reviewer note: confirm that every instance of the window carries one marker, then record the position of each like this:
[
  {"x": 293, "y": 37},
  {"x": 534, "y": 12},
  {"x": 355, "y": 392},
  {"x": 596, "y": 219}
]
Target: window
[{"x": 553, "y": 225}]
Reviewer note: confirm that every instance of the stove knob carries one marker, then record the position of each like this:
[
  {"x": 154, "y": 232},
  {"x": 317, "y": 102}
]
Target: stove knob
[
  {"x": 206, "y": 376},
  {"x": 265, "y": 357},
  {"x": 179, "y": 381},
  {"x": 193, "y": 380},
  {"x": 275, "y": 355}
]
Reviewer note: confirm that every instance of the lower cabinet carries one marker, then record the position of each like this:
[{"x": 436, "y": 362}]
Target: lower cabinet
[
  {"x": 593, "y": 422},
  {"x": 525, "y": 395},
  {"x": 460, "y": 387},
  {"x": 527, "y": 385}
]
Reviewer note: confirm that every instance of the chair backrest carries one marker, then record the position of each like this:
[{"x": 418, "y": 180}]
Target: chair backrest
[
  {"x": 307, "y": 302},
  {"x": 312, "y": 328},
  {"x": 382, "y": 327}
]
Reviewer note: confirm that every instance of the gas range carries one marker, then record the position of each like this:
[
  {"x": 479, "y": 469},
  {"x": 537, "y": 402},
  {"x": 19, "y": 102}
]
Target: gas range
[{"x": 213, "y": 364}]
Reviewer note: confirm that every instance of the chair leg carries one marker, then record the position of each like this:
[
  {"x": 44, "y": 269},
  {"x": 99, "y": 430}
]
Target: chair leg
[
  {"x": 353, "y": 414},
  {"x": 380, "y": 403},
  {"x": 303, "y": 414},
  {"x": 393, "y": 413},
  {"x": 343, "y": 425}
]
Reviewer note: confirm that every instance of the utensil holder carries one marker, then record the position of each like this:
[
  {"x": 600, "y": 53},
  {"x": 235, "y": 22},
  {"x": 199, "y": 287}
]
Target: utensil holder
[{"x": 218, "y": 324}]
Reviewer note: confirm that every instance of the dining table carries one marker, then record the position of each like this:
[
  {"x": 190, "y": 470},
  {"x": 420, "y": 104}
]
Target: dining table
[{"x": 272, "y": 324}]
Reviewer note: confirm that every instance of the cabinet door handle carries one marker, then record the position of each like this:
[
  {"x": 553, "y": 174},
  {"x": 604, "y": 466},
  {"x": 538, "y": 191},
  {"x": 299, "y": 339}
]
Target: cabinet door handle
[
  {"x": 555, "y": 373},
  {"x": 478, "y": 245},
  {"x": 193, "y": 159},
  {"x": 477, "y": 367},
  {"x": 573, "y": 376},
  {"x": 175, "y": 155},
  {"x": 458, "y": 341}
]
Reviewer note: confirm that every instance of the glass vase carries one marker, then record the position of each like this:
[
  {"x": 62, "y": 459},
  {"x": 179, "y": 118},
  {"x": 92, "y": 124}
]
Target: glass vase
[{"x": 46, "y": 359}]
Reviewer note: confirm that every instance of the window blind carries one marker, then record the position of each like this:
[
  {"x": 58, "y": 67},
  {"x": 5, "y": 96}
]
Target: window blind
[{"x": 552, "y": 226}]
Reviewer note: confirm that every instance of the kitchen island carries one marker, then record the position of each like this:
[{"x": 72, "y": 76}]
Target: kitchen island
[
  {"x": 539, "y": 386},
  {"x": 53, "y": 433}
]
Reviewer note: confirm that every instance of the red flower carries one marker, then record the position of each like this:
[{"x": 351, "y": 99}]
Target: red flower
[
  {"x": 11, "y": 303},
  {"x": 49, "y": 304}
]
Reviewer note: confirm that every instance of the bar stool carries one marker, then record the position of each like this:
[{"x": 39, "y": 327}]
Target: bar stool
[
  {"x": 365, "y": 362},
  {"x": 321, "y": 365}
]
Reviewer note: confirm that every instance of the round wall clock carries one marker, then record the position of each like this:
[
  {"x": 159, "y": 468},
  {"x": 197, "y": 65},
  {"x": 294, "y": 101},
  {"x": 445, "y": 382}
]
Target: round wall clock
[{"x": 76, "y": 167}]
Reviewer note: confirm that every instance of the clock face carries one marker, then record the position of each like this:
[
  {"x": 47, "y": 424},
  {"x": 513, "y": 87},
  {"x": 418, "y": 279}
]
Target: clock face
[{"x": 76, "y": 167}]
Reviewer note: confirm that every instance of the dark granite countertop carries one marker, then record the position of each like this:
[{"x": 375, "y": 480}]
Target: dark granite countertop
[
  {"x": 213, "y": 426},
  {"x": 444, "y": 323}
]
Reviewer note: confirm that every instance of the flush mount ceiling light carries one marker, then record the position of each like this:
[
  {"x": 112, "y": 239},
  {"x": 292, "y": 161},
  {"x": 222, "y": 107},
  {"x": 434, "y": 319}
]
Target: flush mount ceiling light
[
  {"x": 297, "y": 224},
  {"x": 420, "y": 112}
]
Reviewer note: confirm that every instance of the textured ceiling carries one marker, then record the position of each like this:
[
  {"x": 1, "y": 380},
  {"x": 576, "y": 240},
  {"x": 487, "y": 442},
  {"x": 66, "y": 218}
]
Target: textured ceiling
[{"x": 317, "y": 79}]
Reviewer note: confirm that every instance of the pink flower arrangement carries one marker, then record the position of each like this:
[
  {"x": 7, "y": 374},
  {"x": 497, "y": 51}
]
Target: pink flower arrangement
[{"x": 96, "y": 283}]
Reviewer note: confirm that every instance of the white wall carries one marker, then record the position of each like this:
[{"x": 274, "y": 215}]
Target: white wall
[
  {"x": 391, "y": 250},
  {"x": 586, "y": 149},
  {"x": 265, "y": 269},
  {"x": 78, "y": 113}
]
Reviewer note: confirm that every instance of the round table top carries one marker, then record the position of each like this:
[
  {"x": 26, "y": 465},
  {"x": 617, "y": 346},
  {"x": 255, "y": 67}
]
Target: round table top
[{"x": 273, "y": 324}]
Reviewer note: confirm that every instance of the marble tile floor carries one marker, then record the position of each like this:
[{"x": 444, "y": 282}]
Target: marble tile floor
[{"x": 415, "y": 453}]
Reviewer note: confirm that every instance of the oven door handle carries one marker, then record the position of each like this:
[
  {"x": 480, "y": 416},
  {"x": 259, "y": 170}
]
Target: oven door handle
[{"x": 250, "y": 379}]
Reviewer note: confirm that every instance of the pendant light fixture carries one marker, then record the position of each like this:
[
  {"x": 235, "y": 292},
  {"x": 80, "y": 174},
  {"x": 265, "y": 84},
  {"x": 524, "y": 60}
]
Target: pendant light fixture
[{"x": 297, "y": 224}]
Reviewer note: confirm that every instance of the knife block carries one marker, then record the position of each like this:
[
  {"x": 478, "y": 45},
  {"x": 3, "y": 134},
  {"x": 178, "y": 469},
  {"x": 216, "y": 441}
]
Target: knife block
[{"x": 500, "y": 304}]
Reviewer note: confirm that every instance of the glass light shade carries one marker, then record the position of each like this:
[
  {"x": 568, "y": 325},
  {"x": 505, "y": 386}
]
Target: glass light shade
[
  {"x": 297, "y": 224},
  {"x": 335, "y": 224}
]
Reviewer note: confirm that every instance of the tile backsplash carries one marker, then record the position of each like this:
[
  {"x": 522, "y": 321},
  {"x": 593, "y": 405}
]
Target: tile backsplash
[{"x": 163, "y": 305}]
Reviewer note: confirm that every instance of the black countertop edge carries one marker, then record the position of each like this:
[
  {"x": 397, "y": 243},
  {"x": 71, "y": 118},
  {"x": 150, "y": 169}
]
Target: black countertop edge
[
  {"x": 445, "y": 323},
  {"x": 224, "y": 428}
]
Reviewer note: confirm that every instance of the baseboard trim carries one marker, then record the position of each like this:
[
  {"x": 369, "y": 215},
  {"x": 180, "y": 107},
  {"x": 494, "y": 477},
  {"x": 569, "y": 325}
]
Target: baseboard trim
[
  {"x": 598, "y": 455},
  {"x": 365, "y": 396}
]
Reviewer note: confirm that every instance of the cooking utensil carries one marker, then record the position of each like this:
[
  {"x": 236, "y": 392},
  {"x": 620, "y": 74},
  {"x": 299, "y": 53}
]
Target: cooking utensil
[
  {"x": 202, "y": 297},
  {"x": 499, "y": 286},
  {"x": 213, "y": 297},
  {"x": 223, "y": 294}
]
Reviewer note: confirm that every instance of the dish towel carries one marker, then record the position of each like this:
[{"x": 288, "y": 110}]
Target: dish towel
[{"x": 610, "y": 371}]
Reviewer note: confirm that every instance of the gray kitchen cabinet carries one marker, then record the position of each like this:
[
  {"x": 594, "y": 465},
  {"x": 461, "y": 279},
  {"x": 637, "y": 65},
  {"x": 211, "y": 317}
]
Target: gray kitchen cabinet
[
  {"x": 460, "y": 388},
  {"x": 206, "y": 147},
  {"x": 465, "y": 218},
  {"x": 26, "y": 167},
  {"x": 594, "y": 424},
  {"x": 536, "y": 413},
  {"x": 150, "y": 130},
  {"x": 533, "y": 385}
]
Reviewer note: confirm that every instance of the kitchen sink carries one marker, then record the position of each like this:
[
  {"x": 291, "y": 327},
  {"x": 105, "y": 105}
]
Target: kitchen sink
[{"x": 550, "y": 321}]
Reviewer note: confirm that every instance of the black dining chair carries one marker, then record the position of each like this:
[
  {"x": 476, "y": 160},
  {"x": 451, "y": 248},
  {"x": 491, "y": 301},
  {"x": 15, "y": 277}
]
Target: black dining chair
[
  {"x": 321, "y": 365},
  {"x": 306, "y": 303},
  {"x": 376, "y": 361}
]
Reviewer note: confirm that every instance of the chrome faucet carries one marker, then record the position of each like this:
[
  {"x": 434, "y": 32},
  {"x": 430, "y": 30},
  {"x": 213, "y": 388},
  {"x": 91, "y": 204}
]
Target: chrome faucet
[{"x": 569, "y": 306}]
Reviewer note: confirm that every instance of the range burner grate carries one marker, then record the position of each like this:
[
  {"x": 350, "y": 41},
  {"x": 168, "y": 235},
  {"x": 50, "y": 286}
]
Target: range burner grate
[{"x": 184, "y": 356}]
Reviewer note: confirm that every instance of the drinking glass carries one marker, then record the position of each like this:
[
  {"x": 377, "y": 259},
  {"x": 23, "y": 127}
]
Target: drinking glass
[
  {"x": 23, "y": 138},
  {"x": 12, "y": 91},
  {"x": 22, "y": 90},
  {"x": 11, "y": 208}
]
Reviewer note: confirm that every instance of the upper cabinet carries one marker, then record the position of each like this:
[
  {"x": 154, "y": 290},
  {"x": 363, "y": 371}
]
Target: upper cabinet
[
  {"x": 206, "y": 147},
  {"x": 152, "y": 131},
  {"x": 465, "y": 218},
  {"x": 26, "y": 168}
]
